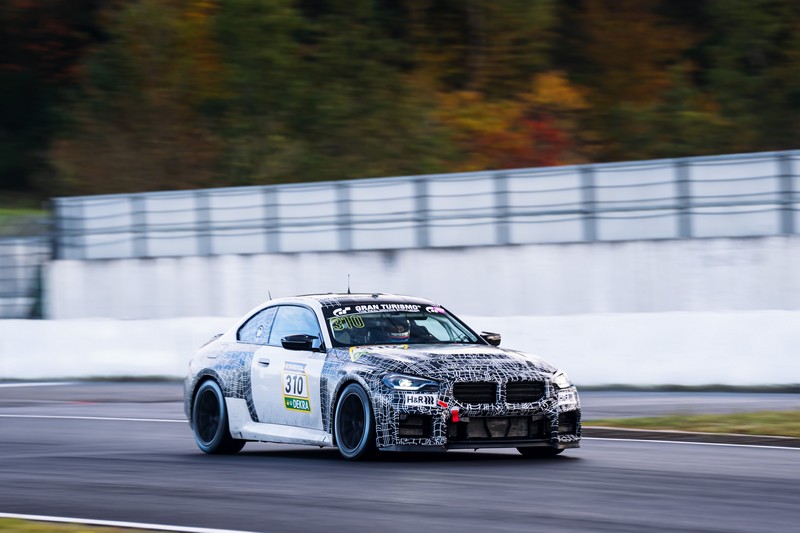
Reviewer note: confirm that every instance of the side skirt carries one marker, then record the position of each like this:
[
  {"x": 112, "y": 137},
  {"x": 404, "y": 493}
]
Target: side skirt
[{"x": 243, "y": 427}]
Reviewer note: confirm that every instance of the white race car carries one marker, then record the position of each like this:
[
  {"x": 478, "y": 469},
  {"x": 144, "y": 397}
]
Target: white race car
[{"x": 369, "y": 372}]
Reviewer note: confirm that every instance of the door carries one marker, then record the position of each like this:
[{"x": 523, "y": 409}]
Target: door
[{"x": 286, "y": 383}]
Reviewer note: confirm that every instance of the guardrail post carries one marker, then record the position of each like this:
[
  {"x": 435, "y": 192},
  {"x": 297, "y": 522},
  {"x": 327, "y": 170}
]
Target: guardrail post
[
  {"x": 683, "y": 189},
  {"x": 589, "y": 204},
  {"x": 139, "y": 218},
  {"x": 203, "y": 223},
  {"x": 273, "y": 241},
  {"x": 421, "y": 196},
  {"x": 56, "y": 231},
  {"x": 503, "y": 233},
  {"x": 343, "y": 215},
  {"x": 78, "y": 230},
  {"x": 787, "y": 193}
]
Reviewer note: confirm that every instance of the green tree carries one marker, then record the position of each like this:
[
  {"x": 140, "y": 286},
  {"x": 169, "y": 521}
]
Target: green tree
[
  {"x": 754, "y": 69},
  {"x": 322, "y": 94},
  {"x": 640, "y": 74},
  {"x": 481, "y": 45},
  {"x": 135, "y": 123},
  {"x": 41, "y": 45}
]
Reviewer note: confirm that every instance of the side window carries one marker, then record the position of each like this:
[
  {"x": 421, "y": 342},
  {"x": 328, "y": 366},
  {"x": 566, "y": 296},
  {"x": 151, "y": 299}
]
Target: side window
[
  {"x": 294, "y": 320},
  {"x": 256, "y": 330}
]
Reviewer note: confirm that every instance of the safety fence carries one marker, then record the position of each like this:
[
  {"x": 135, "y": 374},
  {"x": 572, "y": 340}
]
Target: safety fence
[
  {"x": 720, "y": 196},
  {"x": 25, "y": 246}
]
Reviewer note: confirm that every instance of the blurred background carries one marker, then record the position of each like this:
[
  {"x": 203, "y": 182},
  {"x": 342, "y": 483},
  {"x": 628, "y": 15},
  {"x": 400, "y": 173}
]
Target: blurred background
[
  {"x": 608, "y": 177},
  {"x": 107, "y": 96}
]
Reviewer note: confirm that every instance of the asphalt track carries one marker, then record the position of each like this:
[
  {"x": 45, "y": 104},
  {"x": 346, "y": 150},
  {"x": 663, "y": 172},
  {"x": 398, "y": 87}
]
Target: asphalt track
[{"x": 122, "y": 452}]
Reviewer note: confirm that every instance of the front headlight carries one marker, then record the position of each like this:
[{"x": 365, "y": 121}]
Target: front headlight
[
  {"x": 404, "y": 382},
  {"x": 561, "y": 380}
]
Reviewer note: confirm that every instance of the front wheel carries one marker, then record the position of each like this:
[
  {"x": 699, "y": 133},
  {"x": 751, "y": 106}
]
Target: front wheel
[
  {"x": 539, "y": 452},
  {"x": 354, "y": 424},
  {"x": 210, "y": 421}
]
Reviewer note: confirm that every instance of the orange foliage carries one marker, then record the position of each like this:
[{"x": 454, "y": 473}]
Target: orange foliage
[{"x": 537, "y": 128}]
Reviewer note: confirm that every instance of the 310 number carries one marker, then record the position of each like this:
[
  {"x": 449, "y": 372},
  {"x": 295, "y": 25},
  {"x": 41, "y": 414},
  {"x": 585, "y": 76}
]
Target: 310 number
[{"x": 294, "y": 385}]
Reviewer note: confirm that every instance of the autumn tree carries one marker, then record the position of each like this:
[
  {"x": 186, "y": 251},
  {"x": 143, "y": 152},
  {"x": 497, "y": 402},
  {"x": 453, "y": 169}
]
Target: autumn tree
[
  {"x": 538, "y": 127},
  {"x": 124, "y": 95}
]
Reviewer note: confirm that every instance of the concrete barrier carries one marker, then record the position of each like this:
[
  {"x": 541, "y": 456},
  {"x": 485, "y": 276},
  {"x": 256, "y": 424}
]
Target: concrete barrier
[
  {"x": 731, "y": 348},
  {"x": 558, "y": 279}
]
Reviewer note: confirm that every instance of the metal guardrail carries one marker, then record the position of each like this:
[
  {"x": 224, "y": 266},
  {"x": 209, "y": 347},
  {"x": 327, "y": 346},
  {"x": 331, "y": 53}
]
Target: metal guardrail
[
  {"x": 720, "y": 196},
  {"x": 25, "y": 246}
]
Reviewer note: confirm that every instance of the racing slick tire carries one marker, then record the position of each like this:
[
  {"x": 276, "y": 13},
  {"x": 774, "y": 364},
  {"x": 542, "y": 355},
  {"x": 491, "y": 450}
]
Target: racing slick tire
[
  {"x": 535, "y": 452},
  {"x": 354, "y": 424},
  {"x": 210, "y": 421}
]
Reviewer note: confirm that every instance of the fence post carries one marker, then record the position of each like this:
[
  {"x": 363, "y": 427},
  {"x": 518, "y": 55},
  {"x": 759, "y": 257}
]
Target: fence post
[
  {"x": 56, "y": 230},
  {"x": 78, "y": 230},
  {"x": 787, "y": 192},
  {"x": 273, "y": 242},
  {"x": 139, "y": 217},
  {"x": 684, "y": 195},
  {"x": 421, "y": 194},
  {"x": 589, "y": 204},
  {"x": 343, "y": 215},
  {"x": 503, "y": 233},
  {"x": 203, "y": 223}
]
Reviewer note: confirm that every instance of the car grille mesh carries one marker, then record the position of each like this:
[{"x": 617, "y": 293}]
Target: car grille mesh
[
  {"x": 475, "y": 392},
  {"x": 524, "y": 391},
  {"x": 486, "y": 391}
]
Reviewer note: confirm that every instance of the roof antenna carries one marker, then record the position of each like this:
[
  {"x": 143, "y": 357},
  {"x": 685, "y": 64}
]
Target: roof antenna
[
  {"x": 269, "y": 292},
  {"x": 348, "y": 284}
]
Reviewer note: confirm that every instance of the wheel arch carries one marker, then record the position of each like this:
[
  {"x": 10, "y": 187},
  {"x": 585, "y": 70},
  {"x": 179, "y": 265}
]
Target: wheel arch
[
  {"x": 207, "y": 375},
  {"x": 343, "y": 383}
]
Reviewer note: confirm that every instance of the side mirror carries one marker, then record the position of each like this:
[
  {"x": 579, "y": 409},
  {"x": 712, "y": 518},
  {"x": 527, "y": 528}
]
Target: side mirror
[
  {"x": 491, "y": 338},
  {"x": 300, "y": 342}
]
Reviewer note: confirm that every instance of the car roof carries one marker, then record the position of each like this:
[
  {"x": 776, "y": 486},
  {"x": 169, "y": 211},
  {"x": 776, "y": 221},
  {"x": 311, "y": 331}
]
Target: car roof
[
  {"x": 338, "y": 300},
  {"x": 377, "y": 297}
]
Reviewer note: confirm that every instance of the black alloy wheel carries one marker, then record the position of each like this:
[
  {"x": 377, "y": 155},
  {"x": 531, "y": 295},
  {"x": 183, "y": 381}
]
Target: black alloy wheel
[
  {"x": 354, "y": 424},
  {"x": 210, "y": 421}
]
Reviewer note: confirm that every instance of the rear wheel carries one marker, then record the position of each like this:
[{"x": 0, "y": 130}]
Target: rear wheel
[
  {"x": 210, "y": 421},
  {"x": 354, "y": 424},
  {"x": 539, "y": 452}
]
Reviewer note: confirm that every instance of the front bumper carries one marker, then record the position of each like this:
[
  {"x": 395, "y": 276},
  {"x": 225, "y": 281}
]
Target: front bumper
[{"x": 554, "y": 420}]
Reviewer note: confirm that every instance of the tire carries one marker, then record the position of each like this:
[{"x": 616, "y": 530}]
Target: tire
[
  {"x": 210, "y": 421},
  {"x": 354, "y": 424},
  {"x": 539, "y": 452}
]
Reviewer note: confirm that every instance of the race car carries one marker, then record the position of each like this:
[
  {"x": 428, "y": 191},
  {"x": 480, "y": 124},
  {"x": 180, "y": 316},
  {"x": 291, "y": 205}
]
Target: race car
[{"x": 374, "y": 372}]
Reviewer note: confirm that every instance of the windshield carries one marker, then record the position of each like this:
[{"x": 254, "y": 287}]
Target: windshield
[{"x": 429, "y": 325}]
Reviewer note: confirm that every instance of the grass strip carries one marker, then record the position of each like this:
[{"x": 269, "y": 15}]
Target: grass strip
[
  {"x": 13, "y": 525},
  {"x": 21, "y": 212},
  {"x": 774, "y": 423}
]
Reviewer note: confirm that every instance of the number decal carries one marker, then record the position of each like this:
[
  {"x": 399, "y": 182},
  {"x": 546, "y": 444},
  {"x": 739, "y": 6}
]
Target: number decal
[
  {"x": 347, "y": 322},
  {"x": 295, "y": 385},
  {"x": 295, "y": 388}
]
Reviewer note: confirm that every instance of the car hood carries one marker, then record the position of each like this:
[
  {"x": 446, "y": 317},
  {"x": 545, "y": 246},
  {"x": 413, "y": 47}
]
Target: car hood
[{"x": 460, "y": 362}]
